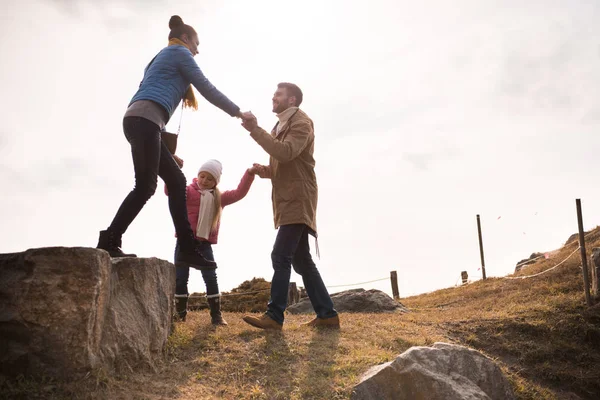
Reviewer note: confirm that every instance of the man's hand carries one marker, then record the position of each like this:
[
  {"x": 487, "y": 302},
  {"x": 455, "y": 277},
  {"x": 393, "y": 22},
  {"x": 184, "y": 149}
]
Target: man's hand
[
  {"x": 260, "y": 170},
  {"x": 249, "y": 121},
  {"x": 178, "y": 160},
  {"x": 245, "y": 115}
]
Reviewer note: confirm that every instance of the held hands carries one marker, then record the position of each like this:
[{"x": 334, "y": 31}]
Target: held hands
[
  {"x": 260, "y": 170},
  {"x": 249, "y": 121}
]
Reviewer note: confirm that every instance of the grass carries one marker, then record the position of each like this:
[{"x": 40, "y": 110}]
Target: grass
[{"x": 539, "y": 330}]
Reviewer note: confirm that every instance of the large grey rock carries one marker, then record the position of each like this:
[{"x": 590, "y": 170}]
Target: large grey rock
[
  {"x": 533, "y": 258},
  {"x": 356, "y": 300},
  {"x": 139, "y": 315},
  {"x": 441, "y": 372},
  {"x": 65, "y": 311}
]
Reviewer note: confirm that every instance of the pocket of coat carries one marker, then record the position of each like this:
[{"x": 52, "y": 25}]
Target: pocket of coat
[
  {"x": 299, "y": 190},
  {"x": 287, "y": 192}
]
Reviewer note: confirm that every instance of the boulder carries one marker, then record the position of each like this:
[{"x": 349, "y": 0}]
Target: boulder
[
  {"x": 355, "y": 300},
  {"x": 574, "y": 237},
  {"x": 441, "y": 372},
  {"x": 66, "y": 311},
  {"x": 533, "y": 258}
]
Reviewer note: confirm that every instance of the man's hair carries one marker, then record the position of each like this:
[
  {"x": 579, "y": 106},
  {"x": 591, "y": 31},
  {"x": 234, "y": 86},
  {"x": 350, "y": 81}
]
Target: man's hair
[{"x": 292, "y": 90}]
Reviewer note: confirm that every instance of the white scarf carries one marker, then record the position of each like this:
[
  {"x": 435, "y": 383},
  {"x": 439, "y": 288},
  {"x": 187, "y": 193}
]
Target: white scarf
[
  {"x": 284, "y": 117},
  {"x": 206, "y": 214}
]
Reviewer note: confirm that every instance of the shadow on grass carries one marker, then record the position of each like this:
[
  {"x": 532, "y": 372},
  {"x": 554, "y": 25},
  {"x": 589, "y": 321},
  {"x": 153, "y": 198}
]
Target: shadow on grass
[{"x": 319, "y": 374}]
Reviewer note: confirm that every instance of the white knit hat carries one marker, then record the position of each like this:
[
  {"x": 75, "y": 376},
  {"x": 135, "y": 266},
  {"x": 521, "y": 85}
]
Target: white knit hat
[{"x": 214, "y": 168}]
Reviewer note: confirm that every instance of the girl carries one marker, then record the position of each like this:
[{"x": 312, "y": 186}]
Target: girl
[
  {"x": 166, "y": 82},
  {"x": 204, "y": 205}
]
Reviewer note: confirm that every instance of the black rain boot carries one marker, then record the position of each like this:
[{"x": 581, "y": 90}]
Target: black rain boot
[
  {"x": 216, "y": 318},
  {"x": 191, "y": 256},
  {"x": 181, "y": 301},
  {"x": 111, "y": 242}
]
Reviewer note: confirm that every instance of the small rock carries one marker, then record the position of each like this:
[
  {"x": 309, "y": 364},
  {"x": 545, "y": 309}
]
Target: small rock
[{"x": 355, "y": 300}]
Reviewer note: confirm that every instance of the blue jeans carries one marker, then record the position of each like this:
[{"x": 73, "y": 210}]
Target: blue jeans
[
  {"x": 209, "y": 275},
  {"x": 291, "y": 249}
]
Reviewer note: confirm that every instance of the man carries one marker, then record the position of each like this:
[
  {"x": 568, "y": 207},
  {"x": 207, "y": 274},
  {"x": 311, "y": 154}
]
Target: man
[{"x": 291, "y": 170}]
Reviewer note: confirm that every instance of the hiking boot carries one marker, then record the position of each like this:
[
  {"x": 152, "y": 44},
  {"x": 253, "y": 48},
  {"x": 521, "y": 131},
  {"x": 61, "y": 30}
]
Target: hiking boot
[
  {"x": 111, "y": 242},
  {"x": 331, "y": 323},
  {"x": 263, "y": 322},
  {"x": 216, "y": 318},
  {"x": 181, "y": 301},
  {"x": 190, "y": 255}
]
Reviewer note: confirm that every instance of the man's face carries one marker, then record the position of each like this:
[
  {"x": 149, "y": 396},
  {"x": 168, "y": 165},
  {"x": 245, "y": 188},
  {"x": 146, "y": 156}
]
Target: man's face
[
  {"x": 192, "y": 42},
  {"x": 281, "y": 101}
]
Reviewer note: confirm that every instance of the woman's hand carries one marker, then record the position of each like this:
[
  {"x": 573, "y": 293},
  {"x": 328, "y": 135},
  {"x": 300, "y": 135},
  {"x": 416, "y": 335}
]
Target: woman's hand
[{"x": 178, "y": 160}]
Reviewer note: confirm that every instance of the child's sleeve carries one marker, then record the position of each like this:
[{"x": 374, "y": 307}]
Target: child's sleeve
[{"x": 232, "y": 196}]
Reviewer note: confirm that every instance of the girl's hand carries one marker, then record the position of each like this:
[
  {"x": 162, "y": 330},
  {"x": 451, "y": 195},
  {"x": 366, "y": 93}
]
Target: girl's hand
[
  {"x": 257, "y": 169},
  {"x": 253, "y": 169}
]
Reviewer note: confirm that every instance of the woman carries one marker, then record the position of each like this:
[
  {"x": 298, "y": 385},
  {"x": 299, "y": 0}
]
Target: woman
[{"x": 166, "y": 82}]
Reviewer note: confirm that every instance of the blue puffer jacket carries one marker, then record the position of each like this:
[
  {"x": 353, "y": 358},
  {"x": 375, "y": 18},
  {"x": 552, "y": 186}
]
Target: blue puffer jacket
[{"x": 168, "y": 76}]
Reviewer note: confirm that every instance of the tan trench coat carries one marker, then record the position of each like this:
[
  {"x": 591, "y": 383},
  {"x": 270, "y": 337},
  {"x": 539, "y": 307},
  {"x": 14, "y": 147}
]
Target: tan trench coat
[{"x": 292, "y": 171}]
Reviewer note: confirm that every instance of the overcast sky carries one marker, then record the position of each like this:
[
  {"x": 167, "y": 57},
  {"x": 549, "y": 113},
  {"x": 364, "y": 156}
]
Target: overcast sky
[{"x": 426, "y": 114}]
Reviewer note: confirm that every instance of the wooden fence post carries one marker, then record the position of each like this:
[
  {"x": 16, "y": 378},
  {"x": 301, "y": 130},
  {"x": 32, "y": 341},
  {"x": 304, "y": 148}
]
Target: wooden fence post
[
  {"x": 303, "y": 293},
  {"x": 584, "y": 266},
  {"x": 394, "y": 279},
  {"x": 293, "y": 294},
  {"x": 595, "y": 266},
  {"x": 464, "y": 276},
  {"x": 481, "y": 247}
]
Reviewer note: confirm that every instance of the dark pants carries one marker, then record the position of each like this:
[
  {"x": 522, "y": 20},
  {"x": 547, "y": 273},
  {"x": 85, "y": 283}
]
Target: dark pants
[
  {"x": 151, "y": 159},
  {"x": 209, "y": 275},
  {"x": 291, "y": 249}
]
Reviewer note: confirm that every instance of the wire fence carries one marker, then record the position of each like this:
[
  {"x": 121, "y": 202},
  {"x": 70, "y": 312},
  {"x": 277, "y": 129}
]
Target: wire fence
[
  {"x": 465, "y": 279},
  {"x": 268, "y": 289}
]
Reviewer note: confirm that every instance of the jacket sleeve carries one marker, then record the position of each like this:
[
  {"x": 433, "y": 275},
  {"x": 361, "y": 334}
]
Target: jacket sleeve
[
  {"x": 231, "y": 196},
  {"x": 268, "y": 174},
  {"x": 191, "y": 72},
  {"x": 292, "y": 145}
]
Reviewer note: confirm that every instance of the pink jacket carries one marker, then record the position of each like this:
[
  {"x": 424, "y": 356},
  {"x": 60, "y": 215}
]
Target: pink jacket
[{"x": 228, "y": 197}]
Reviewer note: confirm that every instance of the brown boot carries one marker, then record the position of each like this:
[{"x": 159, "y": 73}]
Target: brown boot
[
  {"x": 263, "y": 322},
  {"x": 216, "y": 317},
  {"x": 331, "y": 323}
]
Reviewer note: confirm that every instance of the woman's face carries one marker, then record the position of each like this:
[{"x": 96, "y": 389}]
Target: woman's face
[{"x": 192, "y": 42}]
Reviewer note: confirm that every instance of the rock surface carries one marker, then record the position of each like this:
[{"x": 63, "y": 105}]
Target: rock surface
[
  {"x": 441, "y": 372},
  {"x": 533, "y": 258},
  {"x": 66, "y": 311},
  {"x": 356, "y": 300}
]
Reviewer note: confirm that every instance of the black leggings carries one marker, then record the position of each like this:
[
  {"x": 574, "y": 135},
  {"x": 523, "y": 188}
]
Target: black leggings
[{"x": 151, "y": 159}]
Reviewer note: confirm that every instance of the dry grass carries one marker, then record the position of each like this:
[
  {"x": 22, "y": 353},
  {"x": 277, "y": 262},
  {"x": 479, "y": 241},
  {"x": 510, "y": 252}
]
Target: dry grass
[
  {"x": 538, "y": 329},
  {"x": 240, "y": 362}
]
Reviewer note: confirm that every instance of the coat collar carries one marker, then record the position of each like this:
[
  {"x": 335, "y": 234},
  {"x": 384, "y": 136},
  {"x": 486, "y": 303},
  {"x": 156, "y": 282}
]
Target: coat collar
[{"x": 287, "y": 125}]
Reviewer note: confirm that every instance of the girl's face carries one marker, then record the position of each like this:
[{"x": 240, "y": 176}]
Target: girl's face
[{"x": 206, "y": 180}]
